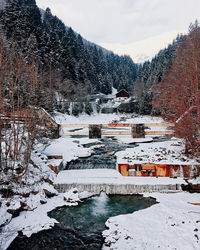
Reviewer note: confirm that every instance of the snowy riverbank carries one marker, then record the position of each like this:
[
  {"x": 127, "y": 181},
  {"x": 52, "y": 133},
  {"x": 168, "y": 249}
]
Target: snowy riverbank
[
  {"x": 25, "y": 208},
  {"x": 36, "y": 220},
  {"x": 172, "y": 224}
]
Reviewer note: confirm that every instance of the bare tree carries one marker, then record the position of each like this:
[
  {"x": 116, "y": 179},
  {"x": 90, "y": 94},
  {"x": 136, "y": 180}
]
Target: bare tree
[
  {"x": 17, "y": 121},
  {"x": 177, "y": 96}
]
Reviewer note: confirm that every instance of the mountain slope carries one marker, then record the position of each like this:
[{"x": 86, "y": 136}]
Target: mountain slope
[
  {"x": 151, "y": 72},
  {"x": 59, "y": 49}
]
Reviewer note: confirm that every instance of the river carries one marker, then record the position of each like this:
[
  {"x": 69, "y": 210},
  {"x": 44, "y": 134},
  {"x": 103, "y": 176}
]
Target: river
[{"x": 80, "y": 227}]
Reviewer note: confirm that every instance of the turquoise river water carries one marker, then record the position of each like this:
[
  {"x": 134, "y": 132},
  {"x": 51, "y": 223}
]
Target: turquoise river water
[{"x": 81, "y": 227}]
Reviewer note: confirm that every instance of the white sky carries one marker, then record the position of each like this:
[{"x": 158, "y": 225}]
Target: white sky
[{"x": 139, "y": 28}]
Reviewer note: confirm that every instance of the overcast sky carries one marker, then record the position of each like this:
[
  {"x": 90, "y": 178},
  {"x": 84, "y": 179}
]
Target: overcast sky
[{"x": 139, "y": 28}]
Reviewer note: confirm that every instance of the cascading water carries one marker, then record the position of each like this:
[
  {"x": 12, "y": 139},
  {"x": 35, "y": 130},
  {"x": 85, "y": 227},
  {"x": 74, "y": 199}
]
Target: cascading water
[
  {"x": 94, "y": 108},
  {"x": 100, "y": 204},
  {"x": 70, "y": 108},
  {"x": 102, "y": 157}
]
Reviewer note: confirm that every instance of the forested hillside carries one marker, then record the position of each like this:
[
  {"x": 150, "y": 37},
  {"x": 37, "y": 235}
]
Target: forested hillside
[
  {"x": 71, "y": 65},
  {"x": 67, "y": 61},
  {"x": 177, "y": 96},
  {"x": 58, "y": 60},
  {"x": 151, "y": 73}
]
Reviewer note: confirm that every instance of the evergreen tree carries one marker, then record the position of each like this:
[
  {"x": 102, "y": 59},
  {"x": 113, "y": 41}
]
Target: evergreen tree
[
  {"x": 151, "y": 73},
  {"x": 20, "y": 18},
  {"x": 54, "y": 47}
]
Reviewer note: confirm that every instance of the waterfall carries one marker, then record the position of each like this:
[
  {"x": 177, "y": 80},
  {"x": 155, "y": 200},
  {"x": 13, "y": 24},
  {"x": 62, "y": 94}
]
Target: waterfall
[
  {"x": 94, "y": 107},
  {"x": 83, "y": 107},
  {"x": 70, "y": 108},
  {"x": 100, "y": 204},
  {"x": 103, "y": 197}
]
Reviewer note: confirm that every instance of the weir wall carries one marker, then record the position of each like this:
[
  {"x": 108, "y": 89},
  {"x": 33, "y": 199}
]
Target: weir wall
[{"x": 123, "y": 189}]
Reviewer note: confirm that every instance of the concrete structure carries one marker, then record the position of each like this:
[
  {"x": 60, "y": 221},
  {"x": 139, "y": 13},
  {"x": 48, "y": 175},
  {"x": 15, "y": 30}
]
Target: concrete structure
[
  {"x": 95, "y": 131},
  {"x": 112, "y": 182},
  {"x": 123, "y": 189},
  {"x": 137, "y": 131}
]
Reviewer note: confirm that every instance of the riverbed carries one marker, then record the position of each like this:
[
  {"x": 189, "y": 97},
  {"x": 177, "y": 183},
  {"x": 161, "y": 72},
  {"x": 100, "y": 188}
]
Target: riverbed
[{"x": 103, "y": 155}]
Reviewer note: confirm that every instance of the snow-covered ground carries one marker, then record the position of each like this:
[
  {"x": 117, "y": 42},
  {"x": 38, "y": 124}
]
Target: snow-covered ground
[
  {"x": 25, "y": 209},
  {"x": 109, "y": 176},
  {"x": 27, "y": 196},
  {"x": 195, "y": 181},
  {"x": 104, "y": 118},
  {"x": 174, "y": 223},
  {"x": 171, "y": 218},
  {"x": 69, "y": 148},
  {"x": 171, "y": 224},
  {"x": 167, "y": 152}
]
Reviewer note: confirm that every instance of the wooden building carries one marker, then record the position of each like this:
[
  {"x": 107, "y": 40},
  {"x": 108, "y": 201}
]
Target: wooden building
[
  {"x": 122, "y": 94},
  {"x": 157, "y": 170}
]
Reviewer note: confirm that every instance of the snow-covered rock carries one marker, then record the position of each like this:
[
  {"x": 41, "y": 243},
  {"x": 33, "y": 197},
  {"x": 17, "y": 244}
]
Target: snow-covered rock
[
  {"x": 72, "y": 196},
  {"x": 29, "y": 222}
]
